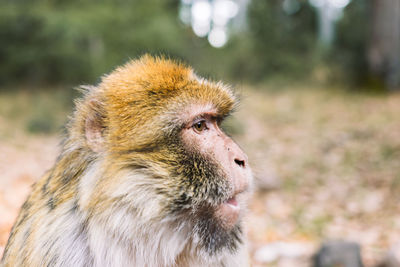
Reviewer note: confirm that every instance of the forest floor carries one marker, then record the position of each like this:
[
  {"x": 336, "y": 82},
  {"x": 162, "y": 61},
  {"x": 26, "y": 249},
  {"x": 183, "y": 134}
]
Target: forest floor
[{"x": 326, "y": 165}]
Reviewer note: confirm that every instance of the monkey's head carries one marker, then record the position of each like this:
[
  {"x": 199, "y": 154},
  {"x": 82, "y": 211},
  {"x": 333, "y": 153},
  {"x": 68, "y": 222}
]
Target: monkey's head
[{"x": 158, "y": 154}]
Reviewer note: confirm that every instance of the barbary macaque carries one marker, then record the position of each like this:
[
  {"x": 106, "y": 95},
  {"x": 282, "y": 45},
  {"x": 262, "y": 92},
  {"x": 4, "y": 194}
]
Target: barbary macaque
[{"x": 146, "y": 177}]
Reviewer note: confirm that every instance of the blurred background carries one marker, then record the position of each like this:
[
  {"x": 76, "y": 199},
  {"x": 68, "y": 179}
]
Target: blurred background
[{"x": 319, "y": 116}]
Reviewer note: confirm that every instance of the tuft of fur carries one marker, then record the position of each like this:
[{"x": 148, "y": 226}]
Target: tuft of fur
[{"x": 123, "y": 192}]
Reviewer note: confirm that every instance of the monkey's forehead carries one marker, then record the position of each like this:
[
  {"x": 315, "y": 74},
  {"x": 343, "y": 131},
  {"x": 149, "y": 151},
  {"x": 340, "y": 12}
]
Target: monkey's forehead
[{"x": 152, "y": 82}]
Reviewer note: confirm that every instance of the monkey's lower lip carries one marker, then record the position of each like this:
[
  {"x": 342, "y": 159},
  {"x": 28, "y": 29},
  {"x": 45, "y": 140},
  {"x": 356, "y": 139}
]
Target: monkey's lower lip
[
  {"x": 228, "y": 212},
  {"x": 232, "y": 202},
  {"x": 231, "y": 206}
]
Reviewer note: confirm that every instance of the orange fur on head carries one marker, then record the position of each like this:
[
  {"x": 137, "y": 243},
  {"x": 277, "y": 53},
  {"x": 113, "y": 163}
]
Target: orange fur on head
[{"x": 137, "y": 94}]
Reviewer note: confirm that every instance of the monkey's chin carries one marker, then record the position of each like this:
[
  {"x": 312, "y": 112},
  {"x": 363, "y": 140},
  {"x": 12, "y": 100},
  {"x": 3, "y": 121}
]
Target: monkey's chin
[{"x": 228, "y": 213}]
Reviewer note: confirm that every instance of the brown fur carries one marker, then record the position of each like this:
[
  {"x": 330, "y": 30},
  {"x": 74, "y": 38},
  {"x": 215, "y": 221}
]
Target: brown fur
[{"x": 126, "y": 126}]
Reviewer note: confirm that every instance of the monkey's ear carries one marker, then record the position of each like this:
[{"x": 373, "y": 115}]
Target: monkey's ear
[{"x": 94, "y": 126}]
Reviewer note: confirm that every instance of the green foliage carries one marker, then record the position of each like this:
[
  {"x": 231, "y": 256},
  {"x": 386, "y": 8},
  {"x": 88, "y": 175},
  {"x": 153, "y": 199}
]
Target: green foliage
[
  {"x": 74, "y": 42},
  {"x": 349, "y": 51},
  {"x": 35, "y": 111},
  {"x": 41, "y": 124},
  {"x": 283, "y": 43},
  {"x": 60, "y": 41}
]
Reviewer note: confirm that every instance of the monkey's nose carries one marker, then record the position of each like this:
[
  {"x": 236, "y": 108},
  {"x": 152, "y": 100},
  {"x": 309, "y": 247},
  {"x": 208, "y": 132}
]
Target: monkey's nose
[{"x": 240, "y": 162}]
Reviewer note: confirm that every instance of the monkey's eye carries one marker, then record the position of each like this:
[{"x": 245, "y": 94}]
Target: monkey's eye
[{"x": 199, "y": 126}]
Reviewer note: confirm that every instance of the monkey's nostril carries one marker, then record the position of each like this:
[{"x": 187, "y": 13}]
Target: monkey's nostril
[{"x": 240, "y": 162}]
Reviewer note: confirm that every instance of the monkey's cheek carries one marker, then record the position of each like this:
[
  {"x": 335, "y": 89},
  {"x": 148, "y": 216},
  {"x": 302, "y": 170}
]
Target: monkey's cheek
[{"x": 228, "y": 213}]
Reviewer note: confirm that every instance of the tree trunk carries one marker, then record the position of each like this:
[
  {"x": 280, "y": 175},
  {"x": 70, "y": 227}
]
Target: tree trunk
[{"x": 384, "y": 43}]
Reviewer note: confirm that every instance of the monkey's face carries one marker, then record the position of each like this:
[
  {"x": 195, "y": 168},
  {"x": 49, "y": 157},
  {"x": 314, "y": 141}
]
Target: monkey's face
[
  {"x": 225, "y": 166},
  {"x": 157, "y": 128},
  {"x": 214, "y": 179}
]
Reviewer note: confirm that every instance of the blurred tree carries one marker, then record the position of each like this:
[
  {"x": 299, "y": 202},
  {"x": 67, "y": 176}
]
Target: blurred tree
[
  {"x": 348, "y": 54},
  {"x": 73, "y": 41},
  {"x": 384, "y": 42},
  {"x": 283, "y": 41}
]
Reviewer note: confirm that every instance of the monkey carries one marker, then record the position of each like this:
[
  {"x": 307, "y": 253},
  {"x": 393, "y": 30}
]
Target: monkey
[{"x": 145, "y": 177}]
